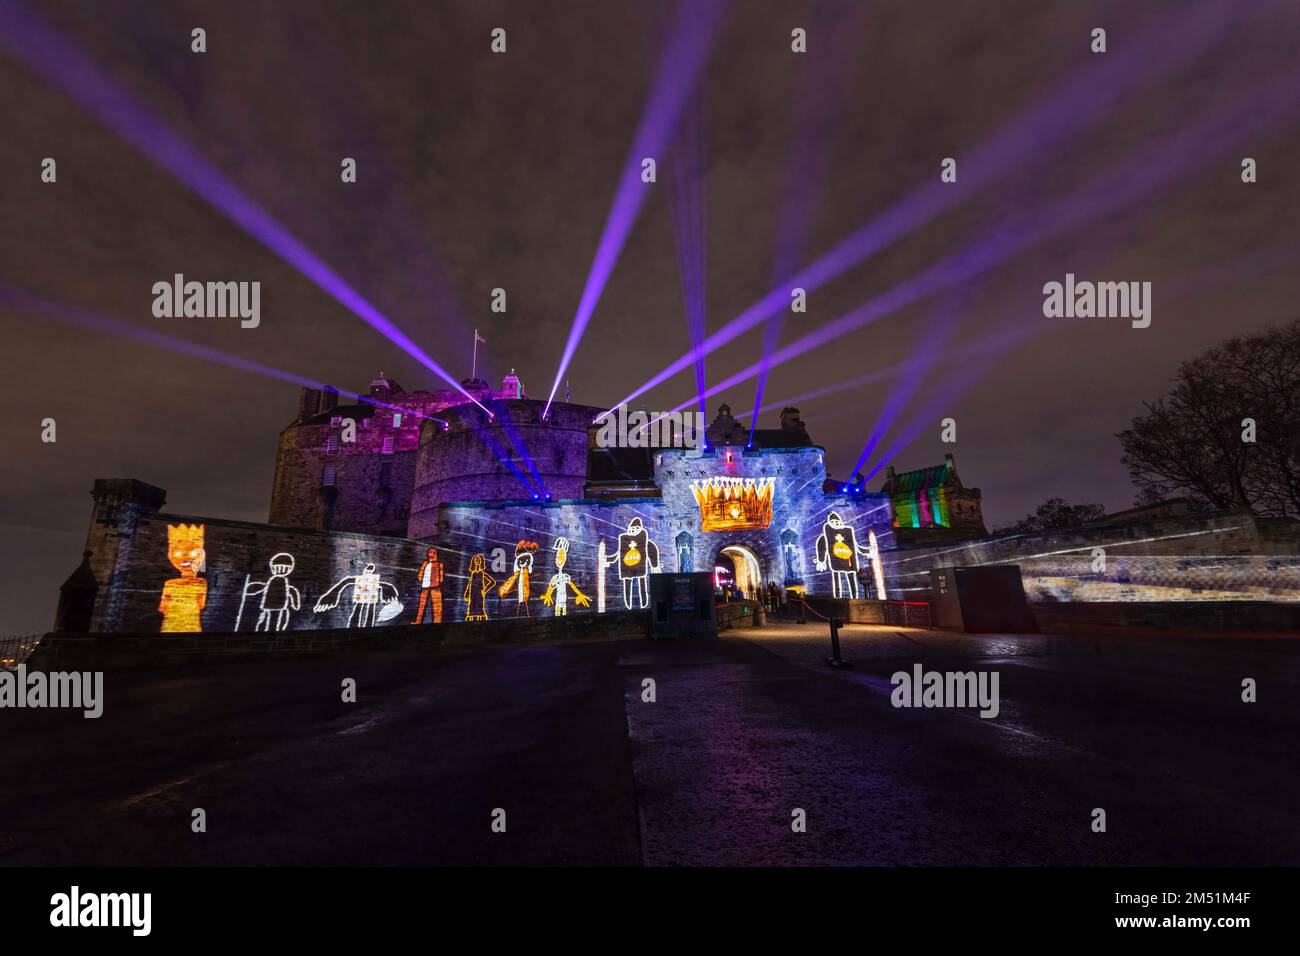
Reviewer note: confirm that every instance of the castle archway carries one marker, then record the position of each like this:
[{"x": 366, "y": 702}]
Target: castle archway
[{"x": 748, "y": 572}]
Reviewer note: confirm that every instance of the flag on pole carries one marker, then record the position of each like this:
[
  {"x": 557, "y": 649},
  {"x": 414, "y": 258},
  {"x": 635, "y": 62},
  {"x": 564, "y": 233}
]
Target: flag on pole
[{"x": 479, "y": 338}]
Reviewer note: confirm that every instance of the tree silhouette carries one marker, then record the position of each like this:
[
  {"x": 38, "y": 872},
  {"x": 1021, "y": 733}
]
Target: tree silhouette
[
  {"x": 1193, "y": 441},
  {"x": 1052, "y": 514}
]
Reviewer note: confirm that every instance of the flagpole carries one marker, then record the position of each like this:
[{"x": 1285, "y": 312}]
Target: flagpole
[{"x": 473, "y": 368}]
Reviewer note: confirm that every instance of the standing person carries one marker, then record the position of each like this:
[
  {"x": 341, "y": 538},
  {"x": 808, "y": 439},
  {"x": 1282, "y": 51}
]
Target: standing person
[{"x": 430, "y": 575}]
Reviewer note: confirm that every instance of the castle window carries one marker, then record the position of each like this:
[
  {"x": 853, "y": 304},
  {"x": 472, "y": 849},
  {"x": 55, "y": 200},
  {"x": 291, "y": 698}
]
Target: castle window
[
  {"x": 388, "y": 445},
  {"x": 332, "y": 444},
  {"x": 327, "y": 476},
  {"x": 397, "y": 419}
]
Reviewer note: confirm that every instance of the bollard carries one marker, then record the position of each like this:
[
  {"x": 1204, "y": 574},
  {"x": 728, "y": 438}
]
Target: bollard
[
  {"x": 836, "y": 660},
  {"x": 803, "y": 611}
]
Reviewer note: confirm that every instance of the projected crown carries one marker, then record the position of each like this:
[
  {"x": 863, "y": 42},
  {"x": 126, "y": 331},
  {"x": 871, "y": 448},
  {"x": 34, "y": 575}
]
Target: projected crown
[{"x": 730, "y": 504}]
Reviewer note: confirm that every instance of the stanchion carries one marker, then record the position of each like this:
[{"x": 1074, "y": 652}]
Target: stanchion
[{"x": 836, "y": 660}]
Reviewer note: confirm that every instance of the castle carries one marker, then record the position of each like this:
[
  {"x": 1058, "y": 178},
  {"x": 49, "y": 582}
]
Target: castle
[{"x": 423, "y": 504}]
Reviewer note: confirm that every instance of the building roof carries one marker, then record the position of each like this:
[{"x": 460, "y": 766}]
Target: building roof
[
  {"x": 357, "y": 411},
  {"x": 932, "y": 477}
]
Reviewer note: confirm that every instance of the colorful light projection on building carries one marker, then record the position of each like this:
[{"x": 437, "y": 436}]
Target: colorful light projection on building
[
  {"x": 478, "y": 586},
  {"x": 184, "y": 597},
  {"x": 557, "y": 589},
  {"x": 922, "y": 508},
  {"x": 430, "y": 577},
  {"x": 519, "y": 584},
  {"x": 637, "y": 557},
  {"x": 278, "y": 597},
  {"x": 369, "y": 605},
  {"x": 877, "y": 570},
  {"x": 837, "y": 552},
  {"x": 734, "y": 504}
]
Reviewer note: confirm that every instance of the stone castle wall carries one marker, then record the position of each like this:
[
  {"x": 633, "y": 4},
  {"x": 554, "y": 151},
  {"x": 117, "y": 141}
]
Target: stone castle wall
[
  {"x": 129, "y": 544},
  {"x": 475, "y": 459},
  {"x": 1220, "y": 557}
]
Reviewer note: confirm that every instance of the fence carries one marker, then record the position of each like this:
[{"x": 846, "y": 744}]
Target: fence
[{"x": 15, "y": 650}]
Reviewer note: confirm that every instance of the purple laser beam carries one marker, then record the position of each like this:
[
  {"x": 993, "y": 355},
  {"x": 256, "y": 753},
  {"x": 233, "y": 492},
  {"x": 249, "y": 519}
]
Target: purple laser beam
[
  {"x": 21, "y": 301},
  {"x": 1105, "y": 194},
  {"x": 689, "y": 204},
  {"x": 679, "y": 69},
  {"x": 820, "y": 97},
  {"x": 48, "y": 55},
  {"x": 1078, "y": 104}
]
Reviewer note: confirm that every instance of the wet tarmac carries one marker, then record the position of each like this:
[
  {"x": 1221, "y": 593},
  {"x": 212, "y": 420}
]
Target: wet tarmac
[{"x": 746, "y": 736}]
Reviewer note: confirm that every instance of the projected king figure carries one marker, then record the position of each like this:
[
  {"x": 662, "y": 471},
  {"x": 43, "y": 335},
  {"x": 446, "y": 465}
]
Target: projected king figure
[
  {"x": 837, "y": 552},
  {"x": 185, "y": 597},
  {"x": 636, "y": 557}
]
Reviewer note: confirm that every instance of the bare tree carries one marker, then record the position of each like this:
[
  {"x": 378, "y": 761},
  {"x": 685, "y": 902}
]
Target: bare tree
[
  {"x": 1195, "y": 440},
  {"x": 1052, "y": 514}
]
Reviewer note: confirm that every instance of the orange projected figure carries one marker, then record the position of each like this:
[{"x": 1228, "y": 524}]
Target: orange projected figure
[
  {"x": 430, "y": 587},
  {"x": 521, "y": 581},
  {"x": 477, "y": 588},
  {"x": 184, "y": 598}
]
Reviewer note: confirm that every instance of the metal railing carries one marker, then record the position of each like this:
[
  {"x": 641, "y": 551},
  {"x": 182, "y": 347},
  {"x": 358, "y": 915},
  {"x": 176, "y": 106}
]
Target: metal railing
[{"x": 14, "y": 650}]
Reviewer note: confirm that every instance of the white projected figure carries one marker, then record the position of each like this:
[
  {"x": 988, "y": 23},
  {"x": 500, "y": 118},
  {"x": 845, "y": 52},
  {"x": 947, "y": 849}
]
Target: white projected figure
[
  {"x": 279, "y": 597},
  {"x": 557, "y": 589},
  {"x": 837, "y": 552},
  {"x": 367, "y": 593},
  {"x": 636, "y": 557}
]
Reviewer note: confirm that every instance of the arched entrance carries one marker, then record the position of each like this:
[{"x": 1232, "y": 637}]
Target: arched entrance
[{"x": 748, "y": 575}]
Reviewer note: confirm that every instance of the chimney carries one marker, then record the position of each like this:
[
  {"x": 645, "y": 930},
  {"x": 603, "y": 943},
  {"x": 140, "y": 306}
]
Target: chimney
[
  {"x": 329, "y": 398},
  {"x": 790, "y": 417},
  {"x": 308, "y": 403}
]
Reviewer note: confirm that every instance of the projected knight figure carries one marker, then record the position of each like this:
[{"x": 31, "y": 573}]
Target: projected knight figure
[
  {"x": 185, "y": 597},
  {"x": 520, "y": 582},
  {"x": 636, "y": 557},
  {"x": 368, "y": 592},
  {"x": 557, "y": 589},
  {"x": 477, "y": 588},
  {"x": 837, "y": 552},
  {"x": 279, "y": 597}
]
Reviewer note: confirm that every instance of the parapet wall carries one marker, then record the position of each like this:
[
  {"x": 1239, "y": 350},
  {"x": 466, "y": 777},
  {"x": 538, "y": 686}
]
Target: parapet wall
[{"x": 1220, "y": 557}]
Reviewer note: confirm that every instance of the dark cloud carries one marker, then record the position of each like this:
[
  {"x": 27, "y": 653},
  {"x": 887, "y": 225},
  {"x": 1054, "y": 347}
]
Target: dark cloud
[{"x": 480, "y": 171}]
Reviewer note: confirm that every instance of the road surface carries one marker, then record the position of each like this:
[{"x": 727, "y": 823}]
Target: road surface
[{"x": 744, "y": 732}]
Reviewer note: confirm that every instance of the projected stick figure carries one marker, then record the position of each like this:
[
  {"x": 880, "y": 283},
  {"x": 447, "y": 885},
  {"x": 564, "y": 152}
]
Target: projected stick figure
[
  {"x": 279, "y": 597},
  {"x": 477, "y": 588},
  {"x": 521, "y": 580},
  {"x": 837, "y": 552},
  {"x": 557, "y": 589},
  {"x": 185, "y": 597},
  {"x": 367, "y": 592},
  {"x": 637, "y": 556},
  {"x": 430, "y": 575}
]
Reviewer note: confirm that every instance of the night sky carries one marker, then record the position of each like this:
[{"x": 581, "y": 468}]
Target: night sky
[{"x": 479, "y": 170}]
